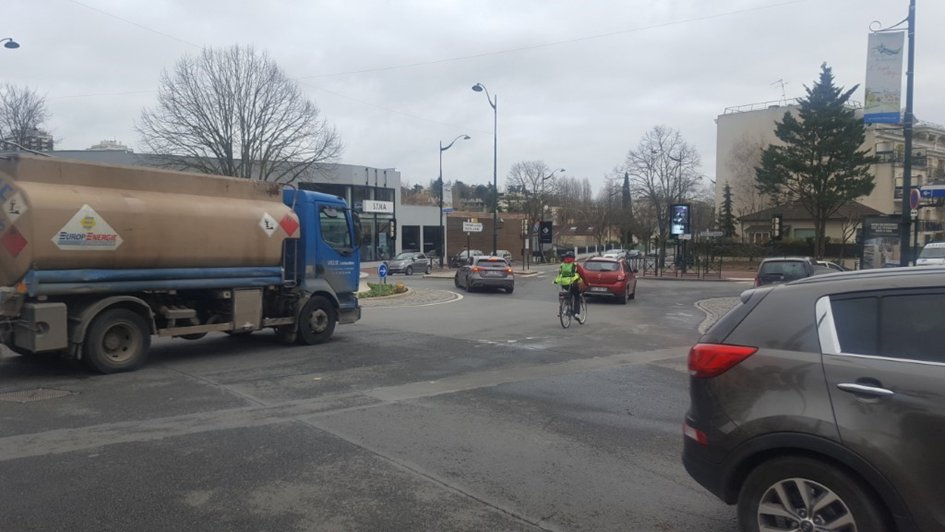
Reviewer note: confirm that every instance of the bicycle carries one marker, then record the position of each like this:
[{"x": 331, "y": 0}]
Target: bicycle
[{"x": 566, "y": 308}]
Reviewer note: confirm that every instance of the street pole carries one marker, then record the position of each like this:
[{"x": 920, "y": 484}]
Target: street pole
[
  {"x": 906, "y": 250},
  {"x": 442, "y": 233},
  {"x": 494, "y": 102},
  {"x": 442, "y": 230}
]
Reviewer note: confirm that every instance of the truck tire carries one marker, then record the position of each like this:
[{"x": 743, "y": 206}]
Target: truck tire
[
  {"x": 316, "y": 321},
  {"x": 117, "y": 340}
]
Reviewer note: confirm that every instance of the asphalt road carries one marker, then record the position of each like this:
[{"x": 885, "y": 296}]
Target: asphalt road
[{"x": 434, "y": 412}]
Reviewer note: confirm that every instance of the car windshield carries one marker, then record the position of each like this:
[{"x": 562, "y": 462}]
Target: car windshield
[
  {"x": 404, "y": 256},
  {"x": 601, "y": 266},
  {"x": 933, "y": 253}
]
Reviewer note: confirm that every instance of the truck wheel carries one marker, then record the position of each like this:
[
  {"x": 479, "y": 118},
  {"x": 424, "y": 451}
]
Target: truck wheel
[
  {"x": 316, "y": 321},
  {"x": 117, "y": 340}
]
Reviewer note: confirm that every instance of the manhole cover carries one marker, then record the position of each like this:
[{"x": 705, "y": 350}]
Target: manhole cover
[{"x": 36, "y": 394}]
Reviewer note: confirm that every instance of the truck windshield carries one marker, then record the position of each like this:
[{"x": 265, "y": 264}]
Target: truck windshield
[{"x": 334, "y": 228}]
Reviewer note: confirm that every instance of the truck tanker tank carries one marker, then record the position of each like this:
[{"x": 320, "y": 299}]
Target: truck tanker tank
[{"x": 59, "y": 214}]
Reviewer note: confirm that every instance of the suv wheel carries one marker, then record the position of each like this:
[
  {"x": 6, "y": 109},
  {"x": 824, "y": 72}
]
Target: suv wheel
[{"x": 798, "y": 493}]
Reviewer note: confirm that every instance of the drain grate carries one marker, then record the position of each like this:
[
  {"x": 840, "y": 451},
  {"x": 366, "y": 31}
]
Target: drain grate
[{"x": 29, "y": 396}]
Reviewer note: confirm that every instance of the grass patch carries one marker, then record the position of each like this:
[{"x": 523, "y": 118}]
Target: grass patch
[{"x": 381, "y": 290}]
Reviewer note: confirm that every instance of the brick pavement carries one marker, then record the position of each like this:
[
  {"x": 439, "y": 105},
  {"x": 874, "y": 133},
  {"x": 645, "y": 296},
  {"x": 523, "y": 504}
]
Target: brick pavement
[{"x": 714, "y": 309}]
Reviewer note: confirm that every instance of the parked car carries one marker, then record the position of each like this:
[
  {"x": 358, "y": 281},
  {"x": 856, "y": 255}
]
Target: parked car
[
  {"x": 932, "y": 254},
  {"x": 485, "y": 271},
  {"x": 611, "y": 278},
  {"x": 786, "y": 269},
  {"x": 463, "y": 256},
  {"x": 819, "y": 404},
  {"x": 408, "y": 262}
]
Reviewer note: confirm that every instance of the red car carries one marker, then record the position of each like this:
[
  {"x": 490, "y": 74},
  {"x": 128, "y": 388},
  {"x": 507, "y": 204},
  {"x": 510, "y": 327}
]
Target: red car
[{"x": 610, "y": 277}]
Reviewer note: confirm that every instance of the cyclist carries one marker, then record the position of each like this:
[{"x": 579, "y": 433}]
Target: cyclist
[{"x": 570, "y": 276}]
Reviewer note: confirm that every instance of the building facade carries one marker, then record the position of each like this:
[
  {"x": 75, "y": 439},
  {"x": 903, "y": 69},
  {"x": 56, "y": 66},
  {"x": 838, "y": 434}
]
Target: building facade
[{"x": 743, "y": 132}]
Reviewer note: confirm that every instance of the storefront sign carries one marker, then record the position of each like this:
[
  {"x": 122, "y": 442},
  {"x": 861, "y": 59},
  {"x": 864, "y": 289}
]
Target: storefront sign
[{"x": 385, "y": 207}]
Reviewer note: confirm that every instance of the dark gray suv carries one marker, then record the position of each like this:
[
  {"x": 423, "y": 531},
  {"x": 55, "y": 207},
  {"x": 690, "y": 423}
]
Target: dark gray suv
[{"x": 820, "y": 404}]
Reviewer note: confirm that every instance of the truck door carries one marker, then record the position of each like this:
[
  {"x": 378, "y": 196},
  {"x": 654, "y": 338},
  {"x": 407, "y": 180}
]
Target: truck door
[{"x": 336, "y": 258}]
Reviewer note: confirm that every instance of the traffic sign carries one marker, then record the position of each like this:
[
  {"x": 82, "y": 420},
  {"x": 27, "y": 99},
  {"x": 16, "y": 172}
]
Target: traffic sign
[
  {"x": 914, "y": 199},
  {"x": 382, "y": 271},
  {"x": 914, "y": 213},
  {"x": 712, "y": 233},
  {"x": 472, "y": 227},
  {"x": 933, "y": 191}
]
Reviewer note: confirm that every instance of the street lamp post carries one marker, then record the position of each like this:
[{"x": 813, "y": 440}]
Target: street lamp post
[
  {"x": 442, "y": 232},
  {"x": 10, "y": 43},
  {"x": 494, "y": 102}
]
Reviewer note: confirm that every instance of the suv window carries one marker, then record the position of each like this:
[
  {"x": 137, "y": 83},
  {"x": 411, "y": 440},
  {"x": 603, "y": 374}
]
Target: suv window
[{"x": 898, "y": 325}]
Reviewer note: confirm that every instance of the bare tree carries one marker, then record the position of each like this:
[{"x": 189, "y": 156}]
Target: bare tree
[
  {"x": 22, "y": 113},
  {"x": 603, "y": 215},
  {"x": 536, "y": 185},
  {"x": 234, "y": 112},
  {"x": 663, "y": 170},
  {"x": 573, "y": 198}
]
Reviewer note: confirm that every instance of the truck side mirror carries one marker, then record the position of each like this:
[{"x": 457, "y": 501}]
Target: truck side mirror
[{"x": 358, "y": 234}]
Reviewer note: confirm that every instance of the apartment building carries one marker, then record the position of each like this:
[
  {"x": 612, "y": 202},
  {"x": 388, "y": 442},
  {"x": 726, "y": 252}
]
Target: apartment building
[{"x": 744, "y": 131}]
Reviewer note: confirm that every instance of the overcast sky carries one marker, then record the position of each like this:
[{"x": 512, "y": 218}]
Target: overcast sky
[{"x": 577, "y": 82}]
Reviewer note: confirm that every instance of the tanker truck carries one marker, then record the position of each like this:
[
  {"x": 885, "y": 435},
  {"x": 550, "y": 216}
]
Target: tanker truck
[{"x": 96, "y": 259}]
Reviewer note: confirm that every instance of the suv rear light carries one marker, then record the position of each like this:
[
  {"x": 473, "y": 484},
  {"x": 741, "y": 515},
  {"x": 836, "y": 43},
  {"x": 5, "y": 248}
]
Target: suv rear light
[{"x": 712, "y": 360}]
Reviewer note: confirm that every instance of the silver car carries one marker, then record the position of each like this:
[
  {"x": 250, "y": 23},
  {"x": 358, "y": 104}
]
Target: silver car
[
  {"x": 819, "y": 405},
  {"x": 485, "y": 271},
  {"x": 408, "y": 262}
]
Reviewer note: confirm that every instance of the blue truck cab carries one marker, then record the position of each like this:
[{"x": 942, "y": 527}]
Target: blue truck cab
[{"x": 327, "y": 260}]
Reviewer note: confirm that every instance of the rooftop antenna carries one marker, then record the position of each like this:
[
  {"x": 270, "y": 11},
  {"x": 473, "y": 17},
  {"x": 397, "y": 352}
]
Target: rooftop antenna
[{"x": 781, "y": 83}]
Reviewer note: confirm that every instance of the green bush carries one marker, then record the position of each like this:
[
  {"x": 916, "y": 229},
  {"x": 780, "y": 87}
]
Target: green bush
[{"x": 381, "y": 290}]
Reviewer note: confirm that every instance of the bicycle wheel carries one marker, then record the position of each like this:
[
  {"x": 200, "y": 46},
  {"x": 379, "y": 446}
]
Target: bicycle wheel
[
  {"x": 564, "y": 311},
  {"x": 582, "y": 317}
]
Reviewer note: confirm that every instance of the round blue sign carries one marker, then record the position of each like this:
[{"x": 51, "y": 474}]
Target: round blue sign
[{"x": 382, "y": 271}]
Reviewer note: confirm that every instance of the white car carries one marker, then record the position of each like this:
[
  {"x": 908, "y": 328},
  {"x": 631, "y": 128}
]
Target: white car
[
  {"x": 615, "y": 254},
  {"x": 933, "y": 254}
]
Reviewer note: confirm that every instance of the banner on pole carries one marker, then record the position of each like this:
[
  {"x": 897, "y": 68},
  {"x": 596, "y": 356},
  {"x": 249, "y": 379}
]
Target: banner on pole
[
  {"x": 883, "y": 78},
  {"x": 447, "y": 199}
]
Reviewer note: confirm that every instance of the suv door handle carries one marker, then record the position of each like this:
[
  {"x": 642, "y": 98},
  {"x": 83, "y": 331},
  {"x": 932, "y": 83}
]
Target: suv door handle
[{"x": 862, "y": 389}]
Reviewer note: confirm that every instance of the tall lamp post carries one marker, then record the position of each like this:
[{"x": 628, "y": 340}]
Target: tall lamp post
[
  {"x": 442, "y": 232},
  {"x": 10, "y": 43},
  {"x": 494, "y": 102}
]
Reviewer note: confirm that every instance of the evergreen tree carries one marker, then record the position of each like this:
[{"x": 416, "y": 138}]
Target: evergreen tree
[
  {"x": 726, "y": 217},
  {"x": 821, "y": 165}
]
